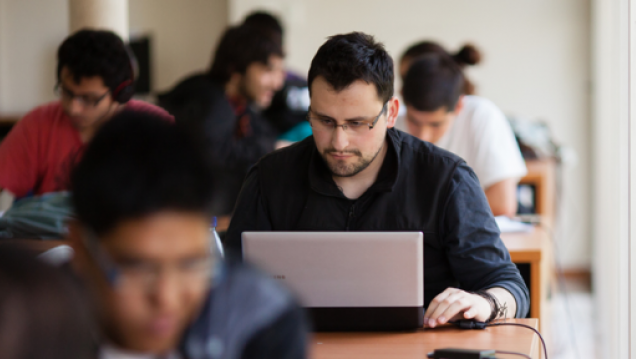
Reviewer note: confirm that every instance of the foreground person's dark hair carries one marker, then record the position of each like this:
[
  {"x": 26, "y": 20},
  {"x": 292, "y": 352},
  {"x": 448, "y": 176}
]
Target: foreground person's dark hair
[{"x": 136, "y": 165}]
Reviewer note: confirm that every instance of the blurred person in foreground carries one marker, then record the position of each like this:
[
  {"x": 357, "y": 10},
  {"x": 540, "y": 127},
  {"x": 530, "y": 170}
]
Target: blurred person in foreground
[
  {"x": 225, "y": 105},
  {"x": 142, "y": 195},
  {"x": 43, "y": 312},
  {"x": 441, "y": 108}
]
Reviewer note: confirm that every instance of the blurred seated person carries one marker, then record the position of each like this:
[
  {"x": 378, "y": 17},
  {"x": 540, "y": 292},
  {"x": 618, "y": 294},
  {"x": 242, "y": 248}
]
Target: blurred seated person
[
  {"x": 95, "y": 80},
  {"x": 225, "y": 104},
  {"x": 288, "y": 110},
  {"x": 439, "y": 110},
  {"x": 43, "y": 312},
  {"x": 142, "y": 196}
]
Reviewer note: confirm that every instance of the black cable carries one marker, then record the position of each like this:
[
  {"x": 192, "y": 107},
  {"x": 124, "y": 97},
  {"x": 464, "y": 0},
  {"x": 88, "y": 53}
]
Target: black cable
[
  {"x": 512, "y": 353},
  {"x": 545, "y": 349}
]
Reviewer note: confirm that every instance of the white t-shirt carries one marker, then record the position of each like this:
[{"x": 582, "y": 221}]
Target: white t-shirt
[{"x": 482, "y": 136}]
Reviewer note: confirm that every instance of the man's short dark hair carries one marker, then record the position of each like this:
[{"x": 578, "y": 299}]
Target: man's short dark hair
[
  {"x": 136, "y": 165},
  {"x": 89, "y": 53},
  {"x": 264, "y": 20},
  {"x": 344, "y": 59},
  {"x": 433, "y": 82},
  {"x": 241, "y": 46}
]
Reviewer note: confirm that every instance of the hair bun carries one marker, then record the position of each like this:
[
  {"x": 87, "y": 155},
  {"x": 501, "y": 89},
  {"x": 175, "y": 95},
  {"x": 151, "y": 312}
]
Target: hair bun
[{"x": 467, "y": 55}]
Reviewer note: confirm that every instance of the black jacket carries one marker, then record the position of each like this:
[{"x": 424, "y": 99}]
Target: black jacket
[
  {"x": 201, "y": 105},
  {"x": 248, "y": 315},
  {"x": 420, "y": 187}
]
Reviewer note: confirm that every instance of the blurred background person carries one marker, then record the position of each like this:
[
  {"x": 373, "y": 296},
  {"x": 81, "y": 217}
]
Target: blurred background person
[
  {"x": 43, "y": 313},
  {"x": 225, "y": 104},
  {"x": 288, "y": 110},
  {"x": 441, "y": 109}
]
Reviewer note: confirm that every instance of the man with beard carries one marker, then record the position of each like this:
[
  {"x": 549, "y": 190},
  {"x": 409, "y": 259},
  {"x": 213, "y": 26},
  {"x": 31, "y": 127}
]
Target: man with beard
[
  {"x": 357, "y": 173},
  {"x": 225, "y": 105},
  {"x": 94, "y": 81},
  {"x": 287, "y": 113}
]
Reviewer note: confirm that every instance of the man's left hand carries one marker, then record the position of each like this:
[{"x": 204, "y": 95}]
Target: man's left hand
[{"x": 455, "y": 304}]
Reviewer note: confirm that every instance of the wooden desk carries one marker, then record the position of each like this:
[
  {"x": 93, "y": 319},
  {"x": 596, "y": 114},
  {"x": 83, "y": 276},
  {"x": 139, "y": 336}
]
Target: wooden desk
[
  {"x": 223, "y": 223},
  {"x": 418, "y": 344},
  {"x": 533, "y": 248}
]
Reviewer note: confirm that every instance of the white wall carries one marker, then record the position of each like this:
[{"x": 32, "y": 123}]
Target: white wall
[
  {"x": 611, "y": 117},
  {"x": 536, "y": 65},
  {"x": 30, "y": 31},
  {"x": 184, "y": 32}
]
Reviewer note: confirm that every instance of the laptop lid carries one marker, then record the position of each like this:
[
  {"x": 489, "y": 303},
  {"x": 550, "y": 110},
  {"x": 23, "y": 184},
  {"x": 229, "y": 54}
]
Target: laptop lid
[{"x": 374, "y": 270}]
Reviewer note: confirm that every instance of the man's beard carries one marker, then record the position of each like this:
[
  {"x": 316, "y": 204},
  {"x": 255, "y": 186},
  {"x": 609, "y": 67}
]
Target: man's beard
[
  {"x": 245, "y": 92},
  {"x": 341, "y": 169}
]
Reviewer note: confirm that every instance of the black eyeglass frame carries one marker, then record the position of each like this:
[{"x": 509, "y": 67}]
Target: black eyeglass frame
[{"x": 344, "y": 125}]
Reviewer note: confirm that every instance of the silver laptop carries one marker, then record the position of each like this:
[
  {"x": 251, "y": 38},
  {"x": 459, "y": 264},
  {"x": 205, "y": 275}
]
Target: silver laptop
[{"x": 347, "y": 280}]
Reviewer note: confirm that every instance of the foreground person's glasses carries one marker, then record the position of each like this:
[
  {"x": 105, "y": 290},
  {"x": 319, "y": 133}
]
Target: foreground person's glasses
[{"x": 143, "y": 276}]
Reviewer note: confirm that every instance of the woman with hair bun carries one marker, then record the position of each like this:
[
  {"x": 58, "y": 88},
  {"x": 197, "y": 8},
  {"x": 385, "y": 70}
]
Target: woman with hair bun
[
  {"x": 441, "y": 108},
  {"x": 468, "y": 55}
]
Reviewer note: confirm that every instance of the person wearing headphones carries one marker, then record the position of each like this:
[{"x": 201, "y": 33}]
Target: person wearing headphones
[{"x": 95, "y": 80}]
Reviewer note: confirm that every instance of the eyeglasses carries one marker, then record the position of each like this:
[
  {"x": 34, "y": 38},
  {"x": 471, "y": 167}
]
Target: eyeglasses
[
  {"x": 354, "y": 127},
  {"x": 84, "y": 100},
  {"x": 138, "y": 276}
]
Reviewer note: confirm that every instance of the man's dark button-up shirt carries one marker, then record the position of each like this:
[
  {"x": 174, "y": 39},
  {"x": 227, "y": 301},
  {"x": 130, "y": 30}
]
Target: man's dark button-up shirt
[{"x": 420, "y": 187}]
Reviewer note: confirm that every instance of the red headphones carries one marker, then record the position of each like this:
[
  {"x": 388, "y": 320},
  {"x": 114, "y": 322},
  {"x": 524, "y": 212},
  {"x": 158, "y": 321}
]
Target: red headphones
[{"x": 125, "y": 90}]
